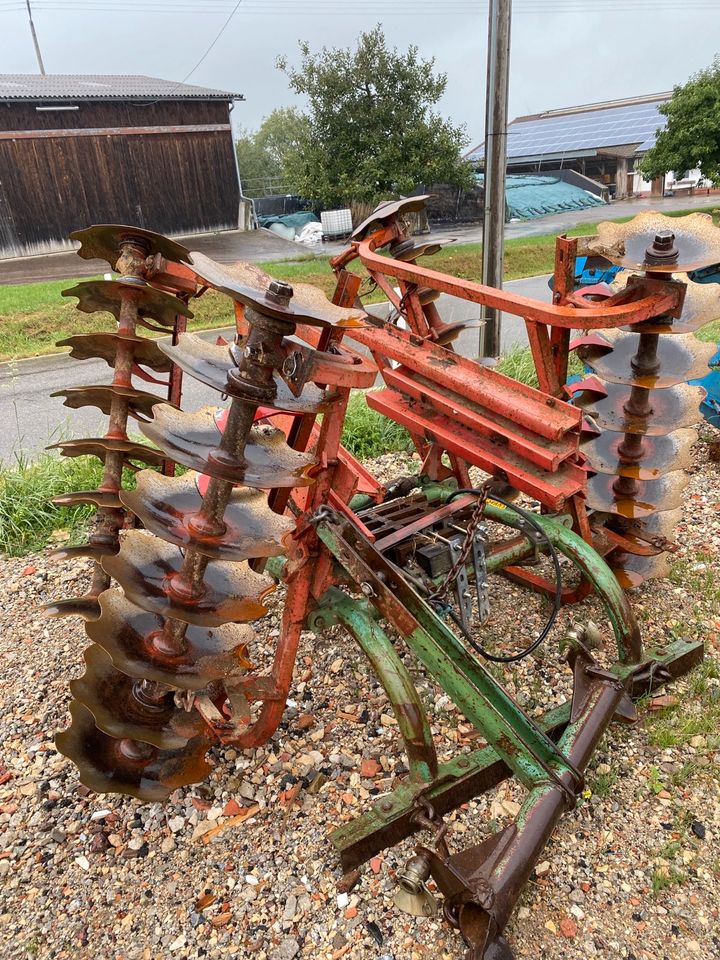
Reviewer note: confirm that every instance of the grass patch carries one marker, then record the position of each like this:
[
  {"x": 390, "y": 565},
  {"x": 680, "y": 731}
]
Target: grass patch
[
  {"x": 698, "y": 576},
  {"x": 696, "y": 715},
  {"x": 602, "y": 785},
  {"x": 27, "y": 518},
  {"x": 518, "y": 363},
  {"x": 664, "y": 877},
  {"x": 367, "y": 434}
]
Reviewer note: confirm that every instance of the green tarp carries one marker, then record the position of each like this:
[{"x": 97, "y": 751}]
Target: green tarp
[{"x": 533, "y": 195}]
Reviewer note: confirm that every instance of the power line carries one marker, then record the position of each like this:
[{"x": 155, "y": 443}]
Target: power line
[{"x": 219, "y": 34}]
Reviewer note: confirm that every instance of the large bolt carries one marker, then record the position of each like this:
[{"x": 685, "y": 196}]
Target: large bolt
[
  {"x": 663, "y": 248},
  {"x": 280, "y": 292}
]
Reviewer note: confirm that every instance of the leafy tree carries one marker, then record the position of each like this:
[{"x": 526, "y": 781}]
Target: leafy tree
[
  {"x": 262, "y": 153},
  {"x": 692, "y": 136},
  {"x": 370, "y": 130}
]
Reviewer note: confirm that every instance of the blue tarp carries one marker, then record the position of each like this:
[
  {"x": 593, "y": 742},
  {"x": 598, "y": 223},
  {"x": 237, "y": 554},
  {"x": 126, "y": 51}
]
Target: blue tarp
[{"x": 528, "y": 196}]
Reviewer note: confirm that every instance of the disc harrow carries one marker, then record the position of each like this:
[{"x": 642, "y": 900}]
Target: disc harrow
[
  {"x": 271, "y": 495},
  {"x": 131, "y": 300},
  {"x": 638, "y": 396}
]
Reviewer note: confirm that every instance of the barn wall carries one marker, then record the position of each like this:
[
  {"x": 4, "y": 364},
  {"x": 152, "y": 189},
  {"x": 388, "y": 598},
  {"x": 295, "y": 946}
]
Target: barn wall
[{"x": 172, "y": 182}]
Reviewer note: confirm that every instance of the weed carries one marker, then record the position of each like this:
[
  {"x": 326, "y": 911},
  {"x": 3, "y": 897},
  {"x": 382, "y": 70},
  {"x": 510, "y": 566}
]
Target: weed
[
  {"x": 664, "y": 877},
  {"x": 603, "y": 783},
  {"x": 654, "y": 782}
]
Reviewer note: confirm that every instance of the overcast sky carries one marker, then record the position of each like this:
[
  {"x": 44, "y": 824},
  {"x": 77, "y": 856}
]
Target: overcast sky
[{"x": 570, "y": 52}]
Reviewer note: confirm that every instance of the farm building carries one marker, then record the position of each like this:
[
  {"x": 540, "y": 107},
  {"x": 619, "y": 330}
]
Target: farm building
[
  {"x": 81, "y": 149},
  {"x": 601, "y": 141}
]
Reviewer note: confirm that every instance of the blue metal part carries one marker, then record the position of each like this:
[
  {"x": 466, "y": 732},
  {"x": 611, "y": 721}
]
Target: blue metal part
[{"x": 710, "y": 406}]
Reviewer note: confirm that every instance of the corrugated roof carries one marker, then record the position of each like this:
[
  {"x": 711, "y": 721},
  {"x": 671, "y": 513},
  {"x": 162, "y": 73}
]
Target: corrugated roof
[
  {"x": 89, "y": 86},
  {"x": 579, "y": 130}
]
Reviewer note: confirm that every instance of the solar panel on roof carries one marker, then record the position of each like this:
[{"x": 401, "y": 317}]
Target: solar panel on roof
[{"x": 589, "y": 130}]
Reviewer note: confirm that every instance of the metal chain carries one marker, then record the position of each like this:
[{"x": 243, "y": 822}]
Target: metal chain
[{"x": 461, "y": 560}]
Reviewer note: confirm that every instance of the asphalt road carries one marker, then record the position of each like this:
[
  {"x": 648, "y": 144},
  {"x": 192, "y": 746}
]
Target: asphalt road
[{"x": 33, "y": 419}]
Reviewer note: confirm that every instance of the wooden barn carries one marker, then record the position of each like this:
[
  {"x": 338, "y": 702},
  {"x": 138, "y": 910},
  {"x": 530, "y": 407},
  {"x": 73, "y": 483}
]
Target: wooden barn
[{"x": 76, "y": 150}]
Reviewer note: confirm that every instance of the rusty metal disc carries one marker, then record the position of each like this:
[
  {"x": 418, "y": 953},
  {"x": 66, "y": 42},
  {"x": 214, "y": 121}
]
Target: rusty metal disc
[
  {"x": 193, "y": 439},
  {"x": 167, "y": 507},
  {"x": 140, "y": 403},
  {"x": 86, "y": 607},
  {"x": 89, "y": 551},
  {"x": 700, "y": 306},
  {"x": 696, "y": 239},
  {"x": 133, "y": 637},
  {"x": 387, "y": 209},
  {"x": 97, "y": 295},
  {"x": 102, "y": 242},
  {"x": 90, "y": 346},
  {"x": 672, "y": 408},
  {"x": 660, "y": 454},
  {"x": 116, "y": 703},
  {"x": 99, "y": 498},
  {"x": 307, "y": 306},
  {"x": 631, "y": 571},
  {"x": 417, "y": 250},
  {"x": 108, "y": 765},
  {"x": 211, "y": 363},
  {"x": 100, "y": 446},
  {"x": 651, "y": 495},
  {"x": 681, "y": 358},
  {"x": 148, "y": 570}
]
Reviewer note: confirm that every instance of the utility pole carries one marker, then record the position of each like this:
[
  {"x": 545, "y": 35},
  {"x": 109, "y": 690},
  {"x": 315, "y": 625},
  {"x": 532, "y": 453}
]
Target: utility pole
[
  {"x": 496, "y": 118},
  {"x": 35, "y": 39}
]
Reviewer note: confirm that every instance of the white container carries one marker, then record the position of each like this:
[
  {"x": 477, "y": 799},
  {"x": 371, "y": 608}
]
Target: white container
[{"x": 336, "y": 223}]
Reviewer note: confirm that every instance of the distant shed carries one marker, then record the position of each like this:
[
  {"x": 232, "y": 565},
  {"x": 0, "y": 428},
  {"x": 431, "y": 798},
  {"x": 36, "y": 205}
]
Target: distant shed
[
  {"x": 82, "y": 149},
  {"x": 602, "y": 141}
]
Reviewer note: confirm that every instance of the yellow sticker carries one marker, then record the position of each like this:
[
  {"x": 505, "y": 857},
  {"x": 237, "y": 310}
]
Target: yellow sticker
[{"x": 494, "y": 503}]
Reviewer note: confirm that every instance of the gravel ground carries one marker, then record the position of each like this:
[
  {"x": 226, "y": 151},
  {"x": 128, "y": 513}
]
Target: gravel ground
[{"x": 632, "y": 874}]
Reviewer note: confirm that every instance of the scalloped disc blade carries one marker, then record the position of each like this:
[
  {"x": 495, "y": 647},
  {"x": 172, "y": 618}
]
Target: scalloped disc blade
[
  {"x": 102, "y": 241},
  {"x": 133, "y": 638},
  {"x": 387, "y": 209},
  {"x": 660, "y": 454},
  {"x": 100, "y": 498},
  {"x": 193, "y": 439},
  {"x": 113, "y": 698},
  {"x": 86, "y": 607},
  {"x": 308, "y": 306},
  {"x": 144, "y": 568},
  {"x": 651, "y": 496},
  {"x": 625, "y": 244},
  {"x": 681, "y": 358},
  {"x": 108, "y": 765},
  {"x": 100, "y": 446},
  {"x": 166, "y": 506},
  {"x": 211, "y": 364},
  {"x": 672, "y": 408},
  {"x": 140, "y": 403},
  {"x": 91, "y": 551},
  {"x": 631, "y": 570},
  {"x": 103, "y": 346},
  {"x": 107, "y": 295}
]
